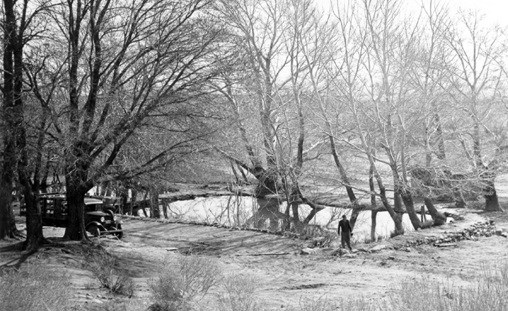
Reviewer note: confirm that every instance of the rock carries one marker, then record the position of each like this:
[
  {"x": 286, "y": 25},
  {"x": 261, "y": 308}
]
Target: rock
[
  {"x": 504, "y": 234},
  {"x": 446, "y": 244},
  {"x": 349, "y": 255},
  {"x": 309, "y": 251},
  {"x": 378, "y": 248},
  {"x": 338, "y": 252},
  {"x": 363, "y": 250},
  {"x": 408, "y": 249}
]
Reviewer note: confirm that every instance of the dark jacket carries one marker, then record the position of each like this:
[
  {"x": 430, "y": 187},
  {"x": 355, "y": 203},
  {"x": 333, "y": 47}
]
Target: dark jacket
[{"x": 344, "y": 226}]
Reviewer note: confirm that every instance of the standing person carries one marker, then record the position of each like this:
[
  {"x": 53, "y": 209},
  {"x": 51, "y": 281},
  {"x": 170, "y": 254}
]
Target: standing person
[{"x": 347, "y": 232}]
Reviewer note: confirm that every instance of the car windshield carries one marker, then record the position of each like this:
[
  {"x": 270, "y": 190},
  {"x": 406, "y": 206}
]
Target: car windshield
[{"x": 92, "y": 205}]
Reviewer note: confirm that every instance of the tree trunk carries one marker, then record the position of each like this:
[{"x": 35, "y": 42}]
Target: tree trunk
[
  {"x": 76, "y": 210},
  {"x": 8, "y": 122},
  {"x": 407, "y": 198},
  {"x": 268, "y": 210},
  {"x": 439, "y": 218},
  {"x": 34, "y": 235},
  {"x": 373, "y": 218},
  {"x": 345, "y": 180},
  {"x": 143, "y": 206},
  {"x": 491, "y": 199},
  {"x": 373, "y": 204},
  {"x": 5, "y": 208},
  {"x": 286, "y": 225},
  {"x": 134, "y": 198},
  {"x": 165, "y": 205},
  {"x": 154, "y": 204},
  {"x": 398, "y": 213}
]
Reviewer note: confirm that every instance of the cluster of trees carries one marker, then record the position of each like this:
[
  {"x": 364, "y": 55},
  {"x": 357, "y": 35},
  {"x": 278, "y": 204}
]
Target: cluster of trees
[
  {"x": 392, "y": 105},
  {"x": 99, "y": 90},
  {"x": 360, "y": 95}
]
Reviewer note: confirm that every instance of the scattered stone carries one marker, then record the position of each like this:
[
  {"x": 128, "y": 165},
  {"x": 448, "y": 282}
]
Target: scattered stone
[
  {"x": 363, "y": 250},
  {"x": 504, "y": 234},
  {"x": 445, "y": 244},
  {"x": 449, "y": 239},
  {"x": 339, "y": 252},
  {"x": 408, "y": 249},
  {"x": 350, "y": 255},
  {"x": 378, "y": 248},
  {"x": 309, "y": 251},
  {"x": 391, "y": 257}
]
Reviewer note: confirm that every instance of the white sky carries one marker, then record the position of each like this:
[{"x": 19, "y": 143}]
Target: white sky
[{"x": 495, "y": 11}]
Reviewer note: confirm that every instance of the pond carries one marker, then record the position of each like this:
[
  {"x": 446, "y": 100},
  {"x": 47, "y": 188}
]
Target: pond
[{"x": 236, "y": 210}]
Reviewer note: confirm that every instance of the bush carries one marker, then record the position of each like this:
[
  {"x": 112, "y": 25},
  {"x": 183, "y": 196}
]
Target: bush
[
  {"x": 186, "y": 278},
  {"x": 34, "y": 287},
  {"x": 105, "y": 268},
  {"x": 238, "y": 294}
]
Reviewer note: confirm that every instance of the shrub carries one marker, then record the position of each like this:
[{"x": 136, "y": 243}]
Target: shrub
[
  {"x": 185, "y": 278},
  {"x": 105, "y": 268},
  {"x": 238, "y": 294},
  {"x": 34, "y": 287}
]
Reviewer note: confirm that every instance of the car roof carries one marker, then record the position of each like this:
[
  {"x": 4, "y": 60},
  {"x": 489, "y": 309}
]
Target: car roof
[{"x": 88, "y": 201}]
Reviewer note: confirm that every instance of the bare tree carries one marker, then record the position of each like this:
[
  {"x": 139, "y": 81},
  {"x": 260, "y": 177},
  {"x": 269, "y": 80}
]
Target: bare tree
[
  {"x": 476, "y": 73},
  {"x": 126, "y": 63}
]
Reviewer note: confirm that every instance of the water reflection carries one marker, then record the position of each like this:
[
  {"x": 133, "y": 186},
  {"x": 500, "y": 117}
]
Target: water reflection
[{"x": 235, "y": 211}]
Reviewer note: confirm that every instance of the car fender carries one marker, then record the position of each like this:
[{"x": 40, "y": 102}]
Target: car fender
[{"x": 98, "y": 224}]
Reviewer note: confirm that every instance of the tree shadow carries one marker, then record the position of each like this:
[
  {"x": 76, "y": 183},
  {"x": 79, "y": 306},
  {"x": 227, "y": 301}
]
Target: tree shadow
[{"x": 20, "y": 257}]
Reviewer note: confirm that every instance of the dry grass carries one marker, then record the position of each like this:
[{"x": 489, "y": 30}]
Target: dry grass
[
  {"x": 488, "y": 291},
  {"x": 34, "y": 287}
]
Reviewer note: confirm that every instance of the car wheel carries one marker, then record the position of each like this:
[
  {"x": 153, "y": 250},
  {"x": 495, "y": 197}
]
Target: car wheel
[
  {"x": 94, "y": 230},
  {"x": 119, "y": 234}
]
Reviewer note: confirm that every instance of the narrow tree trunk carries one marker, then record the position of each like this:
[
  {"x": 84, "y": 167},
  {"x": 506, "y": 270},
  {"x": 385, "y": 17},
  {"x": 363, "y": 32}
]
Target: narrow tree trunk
[
  {"x": 373, "y": 219},
  {"x": 165, "y": 204},
  {"x": 154, "y": 204},
  {"x": 286, "y": 225},
  {"x": 134, "y": 198},
  {"x": 373, "y": 204},
  {"x": 143, "y": 207}
]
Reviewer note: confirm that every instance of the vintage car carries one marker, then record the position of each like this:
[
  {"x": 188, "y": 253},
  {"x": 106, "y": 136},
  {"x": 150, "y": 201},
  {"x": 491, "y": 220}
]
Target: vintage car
[{"x": 98, "y": 221}]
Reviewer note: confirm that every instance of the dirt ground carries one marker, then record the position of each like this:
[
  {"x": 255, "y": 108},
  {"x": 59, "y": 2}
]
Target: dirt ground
[{"x": 283, "y": 275}]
